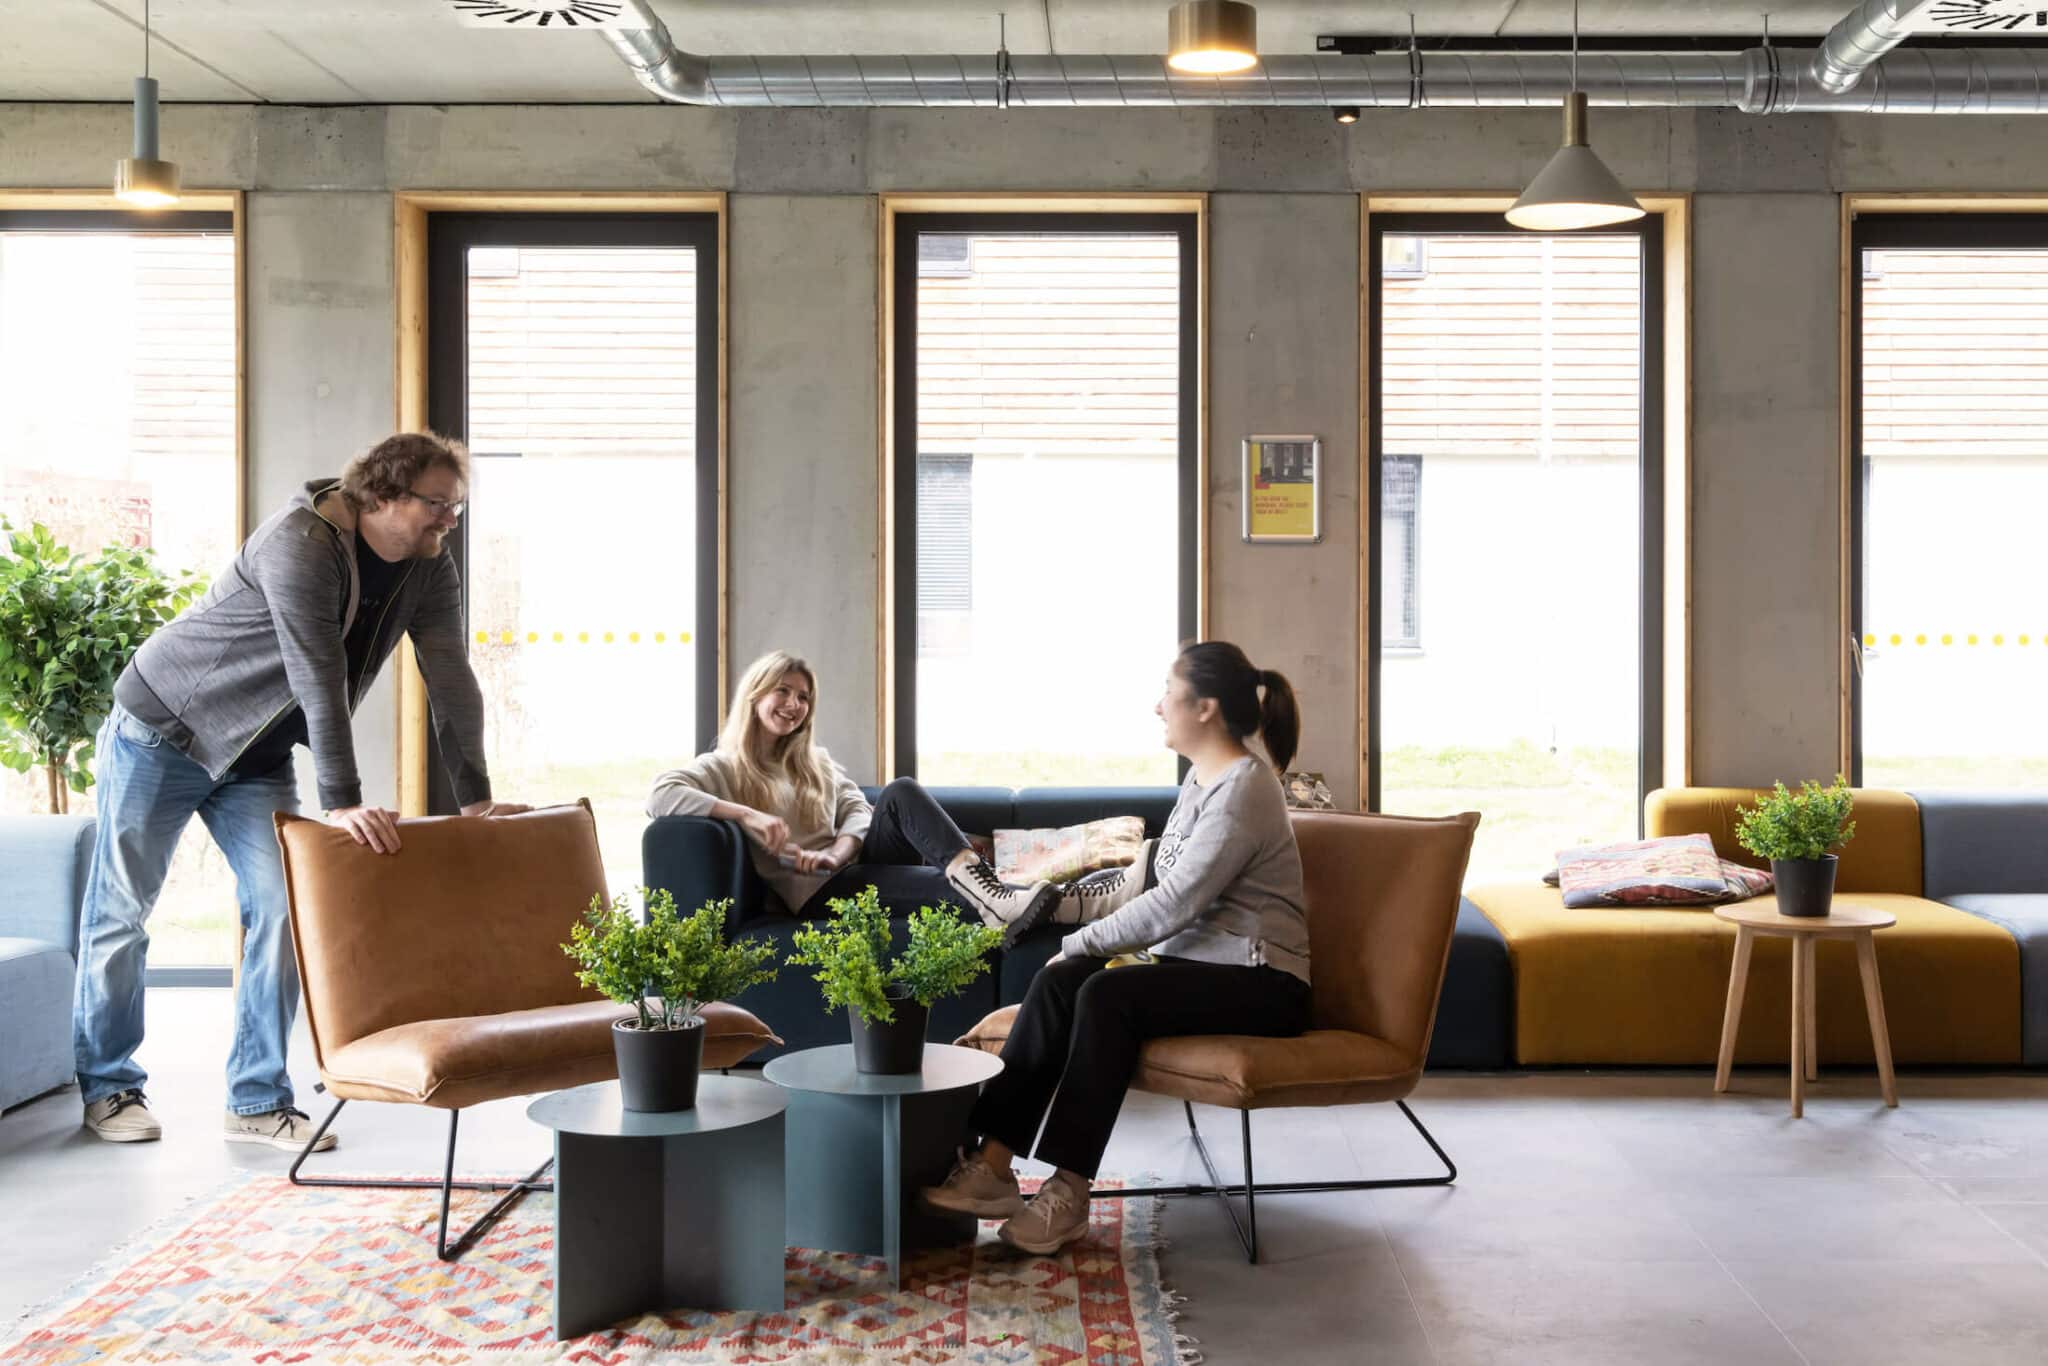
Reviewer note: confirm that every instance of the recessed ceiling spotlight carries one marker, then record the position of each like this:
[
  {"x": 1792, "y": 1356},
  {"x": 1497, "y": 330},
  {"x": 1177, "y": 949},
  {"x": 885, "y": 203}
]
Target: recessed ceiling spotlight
[{"x": 1345, "y": 113}]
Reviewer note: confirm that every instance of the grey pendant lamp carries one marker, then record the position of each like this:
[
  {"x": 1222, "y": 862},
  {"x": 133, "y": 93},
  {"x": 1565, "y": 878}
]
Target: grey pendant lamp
[
  {"x": 1574, "y": 189},
  {"x": 143, "y": 179}
]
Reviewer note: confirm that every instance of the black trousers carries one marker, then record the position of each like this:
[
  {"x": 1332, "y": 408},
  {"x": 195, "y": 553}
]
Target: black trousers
[
  {"x": 904, "y": 855},
  {"x": 1075, "y": 1043}
]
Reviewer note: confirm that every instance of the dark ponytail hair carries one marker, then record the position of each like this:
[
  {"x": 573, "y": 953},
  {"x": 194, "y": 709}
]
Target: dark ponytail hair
[{"x": 1218, "y": 669}]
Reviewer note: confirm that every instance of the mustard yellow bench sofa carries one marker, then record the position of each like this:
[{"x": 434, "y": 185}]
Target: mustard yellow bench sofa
[{"x": 1648, "y": 986}]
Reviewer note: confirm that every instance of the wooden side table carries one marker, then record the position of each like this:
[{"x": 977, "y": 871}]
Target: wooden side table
[{"x": 1844, "y": 922}]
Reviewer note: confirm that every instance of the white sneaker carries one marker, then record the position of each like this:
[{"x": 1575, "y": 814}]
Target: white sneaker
[
  {"x": 1100, "y": 894},
  {"x": 974, "y": 1187},
  {"x": 1014, "y": 910},
  {"x": 123, "y": 1117},
  {"x": 1056, "y": 1216},
  {"x": 286, "y": 1128}
]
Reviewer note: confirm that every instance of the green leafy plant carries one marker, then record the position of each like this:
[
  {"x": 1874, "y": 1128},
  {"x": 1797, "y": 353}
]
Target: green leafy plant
[
  {"x": 850, "y": 952},
  {"x": 68, "y": 626},
  {"x": 1806, "y": 824},
  {"x": 668, "y": 966}
]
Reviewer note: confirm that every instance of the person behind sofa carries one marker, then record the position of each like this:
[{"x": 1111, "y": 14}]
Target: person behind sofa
[
  {"x": 276, "y": 654},
  {"x": 1221, "y": 937},
  {"x": 811, "y": 834}
]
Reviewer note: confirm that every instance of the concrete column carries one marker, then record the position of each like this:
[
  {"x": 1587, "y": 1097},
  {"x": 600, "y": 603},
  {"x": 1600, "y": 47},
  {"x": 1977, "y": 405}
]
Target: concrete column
[{"x": 1283, "y": 357}]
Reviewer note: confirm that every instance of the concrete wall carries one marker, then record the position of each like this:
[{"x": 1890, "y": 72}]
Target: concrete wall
[{"x": 1282, "y": 348}]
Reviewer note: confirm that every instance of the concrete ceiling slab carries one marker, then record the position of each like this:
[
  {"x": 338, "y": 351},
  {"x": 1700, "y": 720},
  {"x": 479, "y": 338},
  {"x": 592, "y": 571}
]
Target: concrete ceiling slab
[{"x": 414, "y": 51}]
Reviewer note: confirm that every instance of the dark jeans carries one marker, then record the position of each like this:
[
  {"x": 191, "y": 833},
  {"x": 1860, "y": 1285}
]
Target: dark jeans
[
  {"x": 909, "y": 843},
  {"x": 1075, "y": 1043}
]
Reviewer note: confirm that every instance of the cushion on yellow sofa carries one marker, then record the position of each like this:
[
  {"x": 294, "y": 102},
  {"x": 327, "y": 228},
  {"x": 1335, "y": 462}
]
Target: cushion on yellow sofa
[
  {"x": 1623, "y": 985},
  {"x": 1883, "y": 855}
]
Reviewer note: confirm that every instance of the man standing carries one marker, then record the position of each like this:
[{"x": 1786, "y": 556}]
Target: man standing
[{"x": 277, "y": 654}]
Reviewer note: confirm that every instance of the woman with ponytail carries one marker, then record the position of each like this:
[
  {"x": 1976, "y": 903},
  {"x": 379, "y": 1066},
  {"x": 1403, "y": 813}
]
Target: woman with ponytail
[{"x": 1210, "y": 938}]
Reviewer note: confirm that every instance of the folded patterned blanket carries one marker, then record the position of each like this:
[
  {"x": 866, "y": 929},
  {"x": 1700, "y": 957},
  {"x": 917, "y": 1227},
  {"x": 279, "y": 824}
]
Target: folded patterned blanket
[{"x": 1672, "y": 870}]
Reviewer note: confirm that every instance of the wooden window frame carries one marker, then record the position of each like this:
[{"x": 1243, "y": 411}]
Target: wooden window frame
[{"x": 900, "y": 218}]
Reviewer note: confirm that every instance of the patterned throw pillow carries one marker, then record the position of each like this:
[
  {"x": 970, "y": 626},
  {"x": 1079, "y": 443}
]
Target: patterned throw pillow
[
  {"x": 1675, "y": 870},
  {"x": 1743, "y": 881},
  {"x": 1025, "y": 856}
]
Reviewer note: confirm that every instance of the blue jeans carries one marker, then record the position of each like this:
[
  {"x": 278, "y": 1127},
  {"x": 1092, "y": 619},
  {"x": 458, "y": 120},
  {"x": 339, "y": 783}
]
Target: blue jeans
[{"x": 147, "y": 792}]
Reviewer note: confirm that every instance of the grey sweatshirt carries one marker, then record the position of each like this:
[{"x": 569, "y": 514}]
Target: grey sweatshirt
[
  {"x": 1229, "y": 882},
  {"x": 708, "y": 779},
  {"x": 268, "y": 636}
]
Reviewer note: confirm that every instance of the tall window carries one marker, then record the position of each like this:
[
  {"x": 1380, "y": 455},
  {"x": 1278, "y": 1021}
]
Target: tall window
[
  {"x": 1515, "y": 612},
  {"x": 1045, "y": 513},
  {"x": 1949, "y": 601},
  {"x": 118, "y": 424},
  {"x": 577, "y": 354}
]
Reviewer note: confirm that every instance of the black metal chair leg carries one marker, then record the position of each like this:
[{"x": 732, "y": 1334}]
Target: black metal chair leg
[
  {"x": 514, "y": 1191},
  {"x": 1248, "y": 1228}
]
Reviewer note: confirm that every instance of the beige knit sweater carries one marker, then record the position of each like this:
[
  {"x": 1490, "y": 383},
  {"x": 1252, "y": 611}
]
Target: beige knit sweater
[{"x": 692, "y": 789}]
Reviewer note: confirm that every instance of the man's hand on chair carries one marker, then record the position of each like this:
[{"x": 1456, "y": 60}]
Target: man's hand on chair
[
  {"x": 495, "y": 808},
  {"x": 371, "y": 825}
]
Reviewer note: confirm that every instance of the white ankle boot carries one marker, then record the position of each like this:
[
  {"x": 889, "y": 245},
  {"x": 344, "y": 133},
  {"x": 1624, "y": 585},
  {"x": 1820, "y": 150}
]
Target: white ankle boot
[
  {"x": 1014, "y": 910},
  {"x": 1099, "y": 894}
]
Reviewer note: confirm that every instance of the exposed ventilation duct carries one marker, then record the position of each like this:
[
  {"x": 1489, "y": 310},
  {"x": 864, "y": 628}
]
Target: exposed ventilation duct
[
  {"x": 1863, "y": 36},
  {"x": 1761, "y": 80}
]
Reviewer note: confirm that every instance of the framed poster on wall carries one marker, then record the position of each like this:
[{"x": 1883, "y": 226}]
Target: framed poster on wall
[{"x": 1283, "y": 488}]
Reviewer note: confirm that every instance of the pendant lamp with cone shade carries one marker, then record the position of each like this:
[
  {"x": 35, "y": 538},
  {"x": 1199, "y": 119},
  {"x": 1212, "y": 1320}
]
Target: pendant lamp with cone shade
[
  {"x": 144, "y": 180},
  {"x": 1212, "y": 37},
  {"x": 1574, "y": 189}
]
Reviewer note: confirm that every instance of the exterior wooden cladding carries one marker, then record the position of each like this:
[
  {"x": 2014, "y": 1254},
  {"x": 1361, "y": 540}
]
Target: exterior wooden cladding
[{"x": 410, "y": 212}]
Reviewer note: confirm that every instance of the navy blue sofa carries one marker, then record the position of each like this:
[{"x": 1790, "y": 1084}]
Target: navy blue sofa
[{"x": 698, "y": 860}]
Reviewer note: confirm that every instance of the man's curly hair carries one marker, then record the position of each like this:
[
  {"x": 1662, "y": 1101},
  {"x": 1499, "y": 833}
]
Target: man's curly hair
[{"x": 386, "y": 472}]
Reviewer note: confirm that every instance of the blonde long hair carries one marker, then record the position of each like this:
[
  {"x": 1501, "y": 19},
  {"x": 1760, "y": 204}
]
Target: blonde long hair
[{"x": 761, "y": 763}]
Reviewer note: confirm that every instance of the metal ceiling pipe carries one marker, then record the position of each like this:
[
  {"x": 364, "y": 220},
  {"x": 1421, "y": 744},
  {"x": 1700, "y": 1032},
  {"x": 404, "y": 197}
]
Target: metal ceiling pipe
[
  {"x": 1761, "y": 80},
  {"x": 1863, "y": 35}
]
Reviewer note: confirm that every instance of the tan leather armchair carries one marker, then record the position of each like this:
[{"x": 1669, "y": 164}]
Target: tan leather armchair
[
  {"x": 435, "y": 976},
  {"x": 1382, "y": 903}
]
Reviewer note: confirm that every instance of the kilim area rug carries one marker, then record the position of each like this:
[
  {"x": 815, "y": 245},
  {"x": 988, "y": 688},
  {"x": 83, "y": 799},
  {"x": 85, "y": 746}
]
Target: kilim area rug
[{"x": 263, "y": 1273}]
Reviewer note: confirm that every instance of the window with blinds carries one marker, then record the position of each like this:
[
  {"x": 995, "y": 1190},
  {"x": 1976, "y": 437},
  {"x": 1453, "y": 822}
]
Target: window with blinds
[
  {"x": 945, "y": 533},
  {"x": 1400, "y": 560}
]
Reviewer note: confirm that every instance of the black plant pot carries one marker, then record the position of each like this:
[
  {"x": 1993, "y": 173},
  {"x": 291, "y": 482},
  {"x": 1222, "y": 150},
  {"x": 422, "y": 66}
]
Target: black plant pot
[
  {"x": 895, "y": 1048},
  {"x": 658, "y": 1067},
  {"x": 1806, "y": 886}
]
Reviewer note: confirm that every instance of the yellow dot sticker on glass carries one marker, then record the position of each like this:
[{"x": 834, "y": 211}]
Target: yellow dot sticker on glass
[
  {"x": 1920, "y": 640},
  {"x": 583, "y": 637},
  {"x": 533, "y": 637},
  {"x": 483, "y": 637},
  {"x": 1896, "y": 640},
  {"x": 558, "y": 637},
  {"x": 633, "y": 638},
  {"x": 607, "y": 637},
  {"x": 1870, "y": 638},
  {"x": 1947, "y": 639},
  {"x": 1970, "y": 639},
  {"x": 504, "y": 637},
  {"x": 660, "y": 636},
  {"x": 684, "y": 637}
]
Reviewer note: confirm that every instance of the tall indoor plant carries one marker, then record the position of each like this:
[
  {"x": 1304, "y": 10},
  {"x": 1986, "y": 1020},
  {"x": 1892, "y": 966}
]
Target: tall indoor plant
[
  {"x": 1798, "y": 832},
  {"x": 68, "y": 626},
  {"x": 888, "y": 1002},
  {"x": 666, "y": 967}
]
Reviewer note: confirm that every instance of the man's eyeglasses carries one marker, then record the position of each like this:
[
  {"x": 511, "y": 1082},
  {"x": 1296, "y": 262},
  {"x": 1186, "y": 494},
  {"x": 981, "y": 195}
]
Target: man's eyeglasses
[{"x": 440, "y": 507}]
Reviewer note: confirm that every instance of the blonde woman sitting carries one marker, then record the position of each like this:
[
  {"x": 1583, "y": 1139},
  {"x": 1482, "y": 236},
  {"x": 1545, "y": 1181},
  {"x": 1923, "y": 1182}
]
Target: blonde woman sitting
[{"x": 811, "y": 834}]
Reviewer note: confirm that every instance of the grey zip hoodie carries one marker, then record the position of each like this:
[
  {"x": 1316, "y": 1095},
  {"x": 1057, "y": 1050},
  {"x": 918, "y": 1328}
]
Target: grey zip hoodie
[{"x": 268, "y": 634}]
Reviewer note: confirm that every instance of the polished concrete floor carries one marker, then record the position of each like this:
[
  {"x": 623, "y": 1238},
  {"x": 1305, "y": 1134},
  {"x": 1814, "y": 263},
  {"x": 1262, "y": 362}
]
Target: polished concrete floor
[{"x": 1626, "y": 1217}]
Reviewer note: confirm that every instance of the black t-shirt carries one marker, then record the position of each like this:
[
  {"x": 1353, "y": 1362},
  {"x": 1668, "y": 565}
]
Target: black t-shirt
[{"x": 379, "y": 579}]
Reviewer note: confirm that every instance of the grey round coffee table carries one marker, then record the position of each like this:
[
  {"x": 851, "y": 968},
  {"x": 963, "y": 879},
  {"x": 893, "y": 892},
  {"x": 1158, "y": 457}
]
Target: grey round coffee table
[
  {"x": 862, "y": 1144},
  {"x": 665, "y": 1211}
]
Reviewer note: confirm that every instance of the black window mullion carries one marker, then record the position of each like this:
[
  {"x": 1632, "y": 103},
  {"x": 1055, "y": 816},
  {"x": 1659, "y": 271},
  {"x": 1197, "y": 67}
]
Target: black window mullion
[{"x": 449, "y": 238}]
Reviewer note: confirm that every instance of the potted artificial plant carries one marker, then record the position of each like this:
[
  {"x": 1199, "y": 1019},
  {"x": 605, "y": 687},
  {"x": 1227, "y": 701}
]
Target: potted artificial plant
[
  {"x": 68, "y": 626},
  {"x": 1797, "y": 832},
  {"x": 888, "y": 1003},
  {"x": 666, "y": 968}
]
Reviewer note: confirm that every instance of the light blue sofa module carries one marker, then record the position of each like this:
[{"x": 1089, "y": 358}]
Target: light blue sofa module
[
  {"x": 43, "y": 860},
  {"x": 1987, "y": 853}
]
